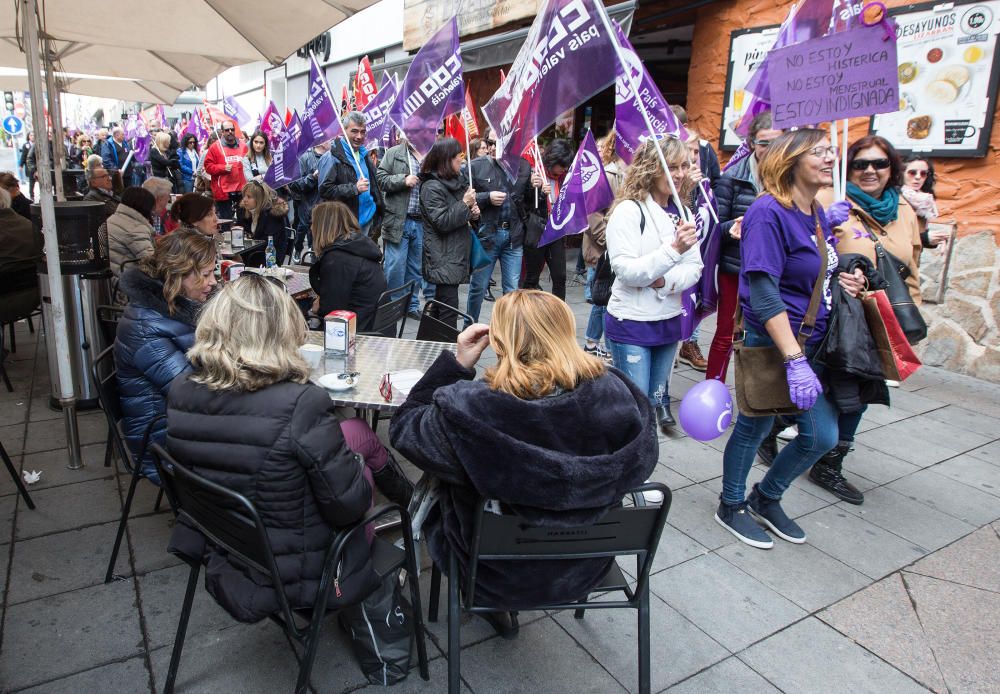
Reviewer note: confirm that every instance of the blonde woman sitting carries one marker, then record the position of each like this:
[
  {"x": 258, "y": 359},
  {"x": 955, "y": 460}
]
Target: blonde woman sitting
[
  {"x": 246, "y": 417},
  {"x": 550, "y": 432}
]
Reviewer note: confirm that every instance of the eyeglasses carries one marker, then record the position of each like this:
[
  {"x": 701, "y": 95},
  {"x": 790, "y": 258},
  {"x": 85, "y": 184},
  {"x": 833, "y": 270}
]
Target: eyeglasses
[
  {"x": 917, "y": 173},
  {"x": 821, "y": 152},
  {"x": 385, "y": 387},
  {"x": 762, "y": 143},
  {"x": 863, "y": 164}
]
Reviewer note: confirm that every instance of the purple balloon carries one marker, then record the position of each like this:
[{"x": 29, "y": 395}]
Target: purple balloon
[{"x": 707, "y": 410}]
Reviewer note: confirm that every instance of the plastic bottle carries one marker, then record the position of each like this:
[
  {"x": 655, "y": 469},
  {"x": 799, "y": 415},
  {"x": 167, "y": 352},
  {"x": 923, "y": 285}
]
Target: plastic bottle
[{"x": 270, "y": 255}]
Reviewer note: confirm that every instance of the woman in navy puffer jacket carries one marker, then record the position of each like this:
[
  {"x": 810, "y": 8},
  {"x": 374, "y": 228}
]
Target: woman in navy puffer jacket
[{"x": 165, "y": 293}]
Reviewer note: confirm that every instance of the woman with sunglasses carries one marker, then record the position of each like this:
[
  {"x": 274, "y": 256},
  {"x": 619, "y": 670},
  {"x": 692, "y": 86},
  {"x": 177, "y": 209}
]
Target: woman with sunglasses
[
  {"x": 918, "y": 189},
  {"x": 875, "y": 212}
]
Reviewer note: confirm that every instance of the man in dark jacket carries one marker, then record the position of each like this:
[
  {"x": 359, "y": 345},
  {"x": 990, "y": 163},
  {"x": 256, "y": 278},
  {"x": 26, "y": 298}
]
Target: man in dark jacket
[
  {"x": 501, "y": 227},
  {"x": 20, "y": 250},
  {"x": 100, "y": 190},
  {"x": 114, "y": 152},
  {"x": 352, "y": 179},
  {"x": 306, "y": 189}
]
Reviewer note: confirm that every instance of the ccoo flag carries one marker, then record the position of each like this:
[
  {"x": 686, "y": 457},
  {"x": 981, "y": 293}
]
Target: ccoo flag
[
  {"x": 567, "y": 57},
  {"x": 365, "y": 88},
  {"x": 585, "y": 190},
  {"x": 376, "y": 112},
  {"x": 431, "y": 90},
  {"x": 232, "y": 108},
  {"x": 320, "y": 119},
  {"x": 630, "y": 127},
  {"x": 284, "y": 166}
]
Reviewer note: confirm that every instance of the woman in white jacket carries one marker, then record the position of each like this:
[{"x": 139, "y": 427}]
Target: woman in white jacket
[{"x": 655, "y": 257}]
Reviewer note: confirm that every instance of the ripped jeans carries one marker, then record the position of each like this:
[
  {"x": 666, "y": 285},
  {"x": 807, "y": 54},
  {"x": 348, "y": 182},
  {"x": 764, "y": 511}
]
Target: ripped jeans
[{"x": 648, "y": 367}]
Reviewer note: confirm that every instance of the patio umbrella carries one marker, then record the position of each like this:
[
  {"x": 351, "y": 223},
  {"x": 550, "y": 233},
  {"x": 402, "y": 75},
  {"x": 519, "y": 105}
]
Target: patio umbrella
[{"x": 147, "y": 91}]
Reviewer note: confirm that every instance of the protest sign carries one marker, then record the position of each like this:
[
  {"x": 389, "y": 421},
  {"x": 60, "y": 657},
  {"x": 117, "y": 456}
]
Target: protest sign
[
  {"x": 585, "y": 190},
  {"x": 376, "y": 113},
  {"x": 850, "y": 73},
  {"x": 320, "y": 119}
]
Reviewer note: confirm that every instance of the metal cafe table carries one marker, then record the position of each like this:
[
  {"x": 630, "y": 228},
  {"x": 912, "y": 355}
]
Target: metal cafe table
[{"x": 229, "y": 251}]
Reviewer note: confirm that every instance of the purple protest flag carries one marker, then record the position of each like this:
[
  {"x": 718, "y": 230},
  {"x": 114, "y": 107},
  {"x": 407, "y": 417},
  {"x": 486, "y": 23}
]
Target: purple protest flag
[
  {"x": 284, "y": 166},
  {"x": 295, "y": 129},
  {"x": 811, "y": 19},
  {"x": 568, "y": 56},
  {"x": 630, "y": 127},
  {"x": 376, "y": 112},
  {"x": 272, "y": 124},
  {"x": 320, "y": 117},
  {"x": 585, "y": 190},
  {"x": 431, "y": 90},
  {"x": 231, "y": 107},
  {"x": 741, "y": 153}
]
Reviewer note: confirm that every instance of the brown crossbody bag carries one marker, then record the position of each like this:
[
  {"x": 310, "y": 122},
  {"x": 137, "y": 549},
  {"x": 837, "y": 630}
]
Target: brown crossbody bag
[{"x": 761, "y": 383}]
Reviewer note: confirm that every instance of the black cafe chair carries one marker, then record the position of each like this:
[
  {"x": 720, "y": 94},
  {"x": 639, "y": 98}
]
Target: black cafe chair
[
  {"x": 391, "y": 311},
  {"x": 105, "y": 375},
  {"x": 308, "y": 258},
  {"x": 437, "y": 322},
  {"x": 16, "y": 477},
  {"x": 621, "y": 532},
  {"x": 231, "y": 522}
]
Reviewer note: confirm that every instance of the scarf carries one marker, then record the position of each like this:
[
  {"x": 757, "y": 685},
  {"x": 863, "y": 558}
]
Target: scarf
[{"x": 884, "y": 210}]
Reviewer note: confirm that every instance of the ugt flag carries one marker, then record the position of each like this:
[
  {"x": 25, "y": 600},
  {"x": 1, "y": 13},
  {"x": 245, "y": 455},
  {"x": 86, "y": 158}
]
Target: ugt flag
[
  {"x": 585, "y": 190},
  {"x": 320, "y": 118},
  {"x": 568, "y": 56},
  {"x": 377, "y": 112},
  {"x": 630, "y": 127},
  {"x": 431, "y": 90},
  {"x": 284, "y": 157}
]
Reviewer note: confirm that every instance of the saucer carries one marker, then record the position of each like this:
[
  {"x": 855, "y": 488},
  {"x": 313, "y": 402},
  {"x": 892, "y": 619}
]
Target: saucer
[{"x": 337, "y": 382}]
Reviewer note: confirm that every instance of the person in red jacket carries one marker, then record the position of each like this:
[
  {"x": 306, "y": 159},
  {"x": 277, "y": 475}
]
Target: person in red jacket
[{"x": 224, "y": 163}]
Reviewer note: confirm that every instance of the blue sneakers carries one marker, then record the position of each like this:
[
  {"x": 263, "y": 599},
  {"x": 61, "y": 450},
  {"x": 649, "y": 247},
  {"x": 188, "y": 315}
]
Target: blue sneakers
[
  {"x": 769, "y": 512},
  {"x": 736, "y": 520}
]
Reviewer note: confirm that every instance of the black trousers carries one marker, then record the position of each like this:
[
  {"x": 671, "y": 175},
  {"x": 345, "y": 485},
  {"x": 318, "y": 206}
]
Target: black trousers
[
  {"x": 447, "y": 294},
  {"x": 535, "y": 259}
]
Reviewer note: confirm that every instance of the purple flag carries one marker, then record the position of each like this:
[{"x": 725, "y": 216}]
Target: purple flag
[
  {"x": 741, "y": 153},
  {"x": 377, "y": 112},
  {"x": 431, "y": 90},
  {"x": 810, "y": 20},
  {"x": 296, "y": 130},
  {"x": 272, "y": 124},
  {"x": 568, "y": 56},
  {"x": 284, "y": 166},
  {"x": 584, "y": 190},
  {"x": 231, "y": 107},
  {"x": 320, "y": 121},
  {"x": 630, "y": 127},
  {"x": 131, "y": 126}
]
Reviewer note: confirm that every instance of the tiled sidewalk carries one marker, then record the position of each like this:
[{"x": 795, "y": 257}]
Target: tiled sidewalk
[{"x": 901, "y": 594}]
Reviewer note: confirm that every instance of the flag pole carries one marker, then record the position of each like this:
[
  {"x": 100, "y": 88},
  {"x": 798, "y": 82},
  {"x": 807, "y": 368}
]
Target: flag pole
[
  {"x": 681, "y": 209},
  {"x": 468, "y": 150},
  {"x": 843, "y": 168},
  {"x": 836, "y": 161},
  {"x": 535, "y": 158}
]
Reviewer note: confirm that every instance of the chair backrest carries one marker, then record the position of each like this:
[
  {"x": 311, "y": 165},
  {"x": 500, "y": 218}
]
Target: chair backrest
[
  {"x": 437, "y": 322},
  {"x": 622, "y": 531},
  {"x": 105, "y": 375},
  {"x": 308, "y": 258},
  {"x": 108, "y": 316},
  {"x": 390, "y": 311}
]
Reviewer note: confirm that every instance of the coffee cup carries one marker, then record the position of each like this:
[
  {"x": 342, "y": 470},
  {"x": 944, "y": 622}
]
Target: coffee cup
[{"x": 313, "y": 354}]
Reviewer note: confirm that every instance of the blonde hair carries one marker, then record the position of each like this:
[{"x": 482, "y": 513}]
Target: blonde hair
[
  {"x": 263, "y": 194},
  {"x": 646, "y": 168},
  {"x": 332, "y": 221},
  {"x": 777, "y": 169},
  {"x": 162, "y": 141},
  {"x": 534, "y": 336},
  {"x": 606, "y": 148},
  {"x": 176, "y": 256},
  {"x": 248, "y": 337}
]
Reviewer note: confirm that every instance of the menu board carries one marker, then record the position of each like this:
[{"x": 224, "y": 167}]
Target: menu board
[
  {"x": 948, "y": 72},
  {"x": 747, "y": 48}
]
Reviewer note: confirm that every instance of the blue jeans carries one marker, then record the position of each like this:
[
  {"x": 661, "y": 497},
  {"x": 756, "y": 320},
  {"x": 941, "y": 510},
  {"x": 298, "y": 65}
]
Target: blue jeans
[
  {"x": 817, "y": 435},
  {"x": 648, "y": 367},
  {"x": 498, "y": 247},
  {"x": 403, "y": 263},
  {"x": 595, "y": 324}
]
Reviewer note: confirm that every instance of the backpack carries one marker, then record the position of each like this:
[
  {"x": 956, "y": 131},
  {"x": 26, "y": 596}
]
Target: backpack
[{"x": 604, "y": 275}]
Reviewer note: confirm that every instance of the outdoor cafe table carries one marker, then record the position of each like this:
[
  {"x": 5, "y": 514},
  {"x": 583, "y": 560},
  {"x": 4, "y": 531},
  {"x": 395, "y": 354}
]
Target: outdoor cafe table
[
  {"x": 297, "y": 283},
  {"x": 229, "y": 251},
  {"x": 372, "y": 358}
]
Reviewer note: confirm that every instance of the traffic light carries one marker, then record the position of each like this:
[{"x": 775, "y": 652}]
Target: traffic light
[{"x": 8, "y": 102}]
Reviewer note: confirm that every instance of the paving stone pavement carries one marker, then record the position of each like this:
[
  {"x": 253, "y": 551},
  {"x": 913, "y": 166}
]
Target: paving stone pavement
[{"x": 901, "y": 594}]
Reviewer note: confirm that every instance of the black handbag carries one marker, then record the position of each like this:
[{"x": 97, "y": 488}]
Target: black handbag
[
  {"x": 604, "y": 275},
  {"x": 896, "y": 272}
]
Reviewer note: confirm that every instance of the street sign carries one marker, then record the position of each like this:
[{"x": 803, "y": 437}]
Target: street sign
[
  {"x": 13, "y": 125},
  {"x": 19, "y": 109}
]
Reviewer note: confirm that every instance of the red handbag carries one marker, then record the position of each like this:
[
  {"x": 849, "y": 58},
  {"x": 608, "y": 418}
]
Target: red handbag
[{"x": 898, "y": 359}]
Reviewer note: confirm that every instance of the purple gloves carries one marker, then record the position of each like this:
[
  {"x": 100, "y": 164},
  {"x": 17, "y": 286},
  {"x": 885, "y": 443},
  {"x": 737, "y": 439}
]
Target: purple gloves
[
  {"x": 838, "y": 212},
  {"x": 803, "y": 386}
]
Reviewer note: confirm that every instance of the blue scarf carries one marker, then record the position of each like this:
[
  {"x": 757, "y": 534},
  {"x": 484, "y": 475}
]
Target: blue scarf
[{"x": 884, "y": 210}]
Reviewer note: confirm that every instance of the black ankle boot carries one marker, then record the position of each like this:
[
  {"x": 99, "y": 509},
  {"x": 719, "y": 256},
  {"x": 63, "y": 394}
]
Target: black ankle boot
[
  {"x": 828, "y": 474},
  {"x": 665, "y": 419},
  {"x": 393, "y": 483}
]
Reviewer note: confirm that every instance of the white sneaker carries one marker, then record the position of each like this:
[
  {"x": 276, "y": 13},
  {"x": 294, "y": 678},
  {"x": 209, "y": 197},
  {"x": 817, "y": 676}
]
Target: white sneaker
[
  {"x": 892, "y": 384},
  {"x": 788, "y": 433}
]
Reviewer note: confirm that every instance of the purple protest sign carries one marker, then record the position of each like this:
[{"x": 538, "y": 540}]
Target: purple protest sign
[
  {"x": 850, "y": 73},
  {"x": 377, "y": 110},
  {"x": 585, "y": 190},
  {"x": 284, "y": 166},
  {"x": 568, "y": 56},
  {"x": 630, "y": 127},
  {"x": 431, "y": 90},
  {"x": 272, "y": 124},
  {"x": 320, "y": 119}
]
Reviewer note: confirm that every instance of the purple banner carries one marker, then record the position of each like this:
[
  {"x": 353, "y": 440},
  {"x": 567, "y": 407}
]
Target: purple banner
[
  {"x": 377, "y": 112},
  {"x": 431, "y": 90},
  {"x": 272, "y": 125},
  {"x": 295, "y": 131},
  {"x": 630, "y": 127},
  {"x": 585, "y": 190},
  {"x": 320, "y": 119},
  {"x": 567, "y": 57},
  {"x": 284, "y": 159},
  {"x": 232, "y": 108},
  {"x": 851, "y": 73}
]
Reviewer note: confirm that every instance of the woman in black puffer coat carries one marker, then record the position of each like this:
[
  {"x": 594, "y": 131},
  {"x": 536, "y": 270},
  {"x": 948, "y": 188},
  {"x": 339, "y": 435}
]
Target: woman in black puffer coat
[
  {"x": 247, "y": 418},
  {"x": 165, "y": 293},
  {"x": 447, "y": 204}
]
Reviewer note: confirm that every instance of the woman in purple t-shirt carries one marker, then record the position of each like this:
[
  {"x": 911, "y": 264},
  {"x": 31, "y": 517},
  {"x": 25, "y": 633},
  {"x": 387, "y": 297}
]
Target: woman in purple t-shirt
[
  {"x": 654, "y": 259},
  {"x": 780, "y": 253}
]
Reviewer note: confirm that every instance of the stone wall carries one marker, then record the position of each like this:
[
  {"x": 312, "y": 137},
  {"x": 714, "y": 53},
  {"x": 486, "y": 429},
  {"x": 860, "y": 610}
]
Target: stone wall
[{"x": 964, "y": 331}]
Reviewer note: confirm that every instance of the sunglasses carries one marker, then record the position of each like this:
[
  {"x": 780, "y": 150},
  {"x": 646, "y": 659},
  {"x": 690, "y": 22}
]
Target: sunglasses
[
  {"x": 916, "y": 173},
  {"x": 863, "y": 164},
  {"x": 491, "y": 143},
  {"x": 229, "y": 130},
  {"x": 385, "y": 388},
  {"x": 762, "y": 143}
]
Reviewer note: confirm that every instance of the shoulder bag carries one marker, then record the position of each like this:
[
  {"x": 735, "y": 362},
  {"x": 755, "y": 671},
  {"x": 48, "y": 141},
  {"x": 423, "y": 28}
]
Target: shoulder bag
[
  {"x": 895, "y": 272},
  {"x": 761, "y": 382}
]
